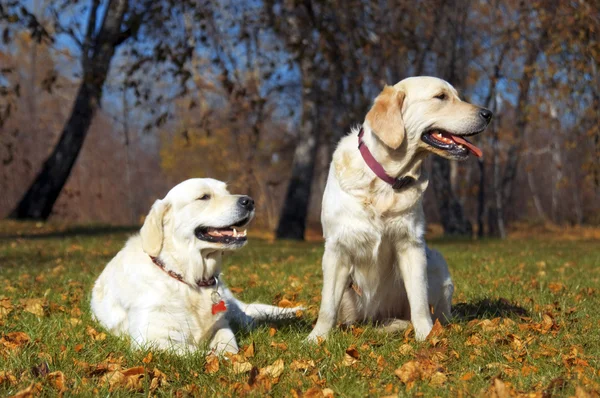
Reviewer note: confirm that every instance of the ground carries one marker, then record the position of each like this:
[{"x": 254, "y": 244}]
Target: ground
[{"x": 526, "y": 321}]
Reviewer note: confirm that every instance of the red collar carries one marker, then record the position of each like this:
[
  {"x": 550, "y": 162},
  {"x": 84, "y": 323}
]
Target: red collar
[
  {"x": 377, "y": 168},
  {"x": 212, "y": 281}
]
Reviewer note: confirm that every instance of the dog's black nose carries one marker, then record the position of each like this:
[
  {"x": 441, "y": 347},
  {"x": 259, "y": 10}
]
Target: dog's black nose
[
  {"x": 486, "y": 114},
  {"x": 246, "y": 202}
]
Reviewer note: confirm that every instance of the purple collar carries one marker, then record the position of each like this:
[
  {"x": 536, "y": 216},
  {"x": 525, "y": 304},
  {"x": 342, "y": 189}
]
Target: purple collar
[{"x": 377, "y": 168}]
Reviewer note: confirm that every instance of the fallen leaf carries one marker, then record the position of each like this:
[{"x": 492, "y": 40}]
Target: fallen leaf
[
  {"x": 438, "y": 379},
  {"x": 467, "y": 376},
  {"x": 327, "y": 393},
  {"x": 33, "y": 390},
  {"x": 212, "y": 364},
  {"x": 78, "y": 347},
  {"x": 351, "y": 356},
  {"x": 409, "y": 372},
  {"x": 147, "y": 358},
  {"x": 242, "y": 367},
  {"x": 285, "y": 303},
  {"x": 57, "y": 380},
  {"x": 313, "y": 392},
  {"x": 157, "y": 379},
  {"x": 281, "y": 346},
  {"x": 272, "y": 332},
  {"x": 7, "y": 377},
  {"x": 436, "y": 331},
  {"x": 14, "y": 340},
  {"x": 302, "y": 364},
  {"x": 6, "y": 307},
  {"x": 249, "y": 351},
  {"x": 33, "y": 306},
  {"x": 274, "y": 370},
  {"x": 406, "y": 349},
  {"x": 94, "y": 334}
]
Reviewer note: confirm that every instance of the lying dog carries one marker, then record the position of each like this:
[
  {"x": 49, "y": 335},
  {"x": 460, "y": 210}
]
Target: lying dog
[
  {"x": 163, "y": 288},
  {"x": 376, "y": 265}
]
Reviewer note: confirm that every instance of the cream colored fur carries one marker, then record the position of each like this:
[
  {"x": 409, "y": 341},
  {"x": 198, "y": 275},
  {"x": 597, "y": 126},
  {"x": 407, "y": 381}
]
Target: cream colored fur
[
  {"x": 134, "y": 297},
  {"x": 374, "y": 235}
]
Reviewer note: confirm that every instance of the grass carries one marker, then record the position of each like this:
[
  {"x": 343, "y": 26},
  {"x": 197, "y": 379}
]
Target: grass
[{"x": 528, "y": 321}]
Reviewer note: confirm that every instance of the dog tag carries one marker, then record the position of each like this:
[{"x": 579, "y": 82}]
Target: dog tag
[
  {"x": 219, "y": 307},
  {"x": 218, "y": 304}
]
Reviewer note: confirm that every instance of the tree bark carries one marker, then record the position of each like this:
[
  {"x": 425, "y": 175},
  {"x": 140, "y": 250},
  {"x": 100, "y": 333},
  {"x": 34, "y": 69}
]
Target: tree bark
[
  {"x": 292, "y": 222},
  {"x": 38, "y": 201}
]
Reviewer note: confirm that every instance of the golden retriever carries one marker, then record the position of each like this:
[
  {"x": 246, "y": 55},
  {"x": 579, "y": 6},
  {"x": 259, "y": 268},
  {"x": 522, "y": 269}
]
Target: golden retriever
[
  {"x": 164, "y": 289},
  {"x": 376, "y": 265}
]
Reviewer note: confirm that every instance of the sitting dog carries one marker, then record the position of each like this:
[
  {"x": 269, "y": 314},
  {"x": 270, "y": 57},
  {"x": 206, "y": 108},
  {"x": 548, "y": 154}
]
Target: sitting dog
[
  {"x": 376, "y": 265},
  {"x": 164, "y": 289}
]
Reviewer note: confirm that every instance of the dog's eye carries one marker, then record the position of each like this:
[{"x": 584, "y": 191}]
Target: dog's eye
[
  {"x": 441, "y": 96},
  {"x": 204, "y": 197}
]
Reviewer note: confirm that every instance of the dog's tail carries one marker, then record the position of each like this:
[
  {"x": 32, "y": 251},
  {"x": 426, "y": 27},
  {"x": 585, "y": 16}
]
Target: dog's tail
[{"x": 247, "y": 314}]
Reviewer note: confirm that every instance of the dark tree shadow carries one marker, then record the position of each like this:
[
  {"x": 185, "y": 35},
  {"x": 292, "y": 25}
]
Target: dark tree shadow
[
  {"x": 486, "y": 308},
  {"x": 71, "y": 232}
]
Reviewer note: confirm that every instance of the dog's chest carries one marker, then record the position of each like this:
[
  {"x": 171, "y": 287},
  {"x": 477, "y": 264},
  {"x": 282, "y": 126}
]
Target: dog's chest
[{"x": 191, "y": 313}]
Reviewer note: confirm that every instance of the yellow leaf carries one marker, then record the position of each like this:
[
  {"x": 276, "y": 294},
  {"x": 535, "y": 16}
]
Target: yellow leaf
[
  {"x": 274, "y": 370},
  {"x": 242, "y": 367},
  {"x": 212, "y": 364},
  {"x": 249, "y": 351},
  {"x": 33, "y": 306}
]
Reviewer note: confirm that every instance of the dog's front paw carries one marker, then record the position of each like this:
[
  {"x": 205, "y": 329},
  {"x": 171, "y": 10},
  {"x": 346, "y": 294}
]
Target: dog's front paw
[
  {"x": 422, "y": 330},
  {"x": 221, "y": 349},
  {"x": 315, "y": 337}
]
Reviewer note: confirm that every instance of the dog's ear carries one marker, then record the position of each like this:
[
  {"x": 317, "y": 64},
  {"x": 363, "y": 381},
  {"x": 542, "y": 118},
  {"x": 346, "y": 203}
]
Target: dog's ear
[
  {"x": 152, "y": 230},
  {"x": 385, "y": 117}
]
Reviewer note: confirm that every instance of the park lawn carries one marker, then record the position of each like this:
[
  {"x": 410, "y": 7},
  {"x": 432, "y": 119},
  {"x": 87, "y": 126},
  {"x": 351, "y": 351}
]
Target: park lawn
[{"x": 529, "y": 322}]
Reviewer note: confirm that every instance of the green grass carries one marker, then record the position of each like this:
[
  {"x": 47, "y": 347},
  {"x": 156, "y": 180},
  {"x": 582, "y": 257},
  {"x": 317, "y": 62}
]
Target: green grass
[{"x": 548, "y": 289}]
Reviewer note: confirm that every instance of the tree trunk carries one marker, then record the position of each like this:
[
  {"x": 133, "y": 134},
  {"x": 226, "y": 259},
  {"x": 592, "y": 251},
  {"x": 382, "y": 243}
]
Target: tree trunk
[
  {"x": 38, "y": 201},
  {"x": 292, "y": 223},
  {"x": 451, "y": 212},
  {"x": 481, "y": 199}
]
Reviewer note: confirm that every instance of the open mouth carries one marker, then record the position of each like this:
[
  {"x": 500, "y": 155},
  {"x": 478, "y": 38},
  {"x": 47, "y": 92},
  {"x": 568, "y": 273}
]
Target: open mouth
[
  {"x": 454, "y": 144},
  {"x": 232, "y": 234}
]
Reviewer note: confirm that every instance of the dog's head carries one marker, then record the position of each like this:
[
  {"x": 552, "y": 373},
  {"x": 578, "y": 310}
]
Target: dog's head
[
  {"x": 426, "y": 113},
  {"x": 199, "y": 214}
]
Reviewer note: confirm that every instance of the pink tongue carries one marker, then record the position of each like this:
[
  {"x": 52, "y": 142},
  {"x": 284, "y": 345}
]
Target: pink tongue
[{"x": 476, "y": 151}]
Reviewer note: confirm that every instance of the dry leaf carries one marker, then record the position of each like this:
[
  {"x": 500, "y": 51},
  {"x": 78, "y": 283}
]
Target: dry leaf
[
  {"x": 33, "y": 390},
  {"x": 6, "y": 307},
  {"x": 33, "y": 306},
  {"x": 249, "y": 351},
  {"x": 406, "y": 349},
  {"x": 313, "y": 392},
  {"x": 302, "y": 364},
  {"x": 57, "y": 380},
  {"x": 94, "y": 334},
  {"x": 7, "y": 377},
  {"x": 147, "y": 358},
  {"x": 438, "y": 379},
  {"x": 274, "y": 370},
  {"x": 436, "y": 331},
  {"x": 281, "y": 346},
  {"x": 351, "y": 356},
  {"x": 408, "y": 372},
  {"x": 212, "y": 364},
  {"x": 467, "y": 376},
  {"x": 158, "y": 379},
  {"x": 327, "y": 392},
  {"x": 272, "y": 332},
  {"x": 14, "y": 340},
  {"x": 285, "y": 303},
  {"x": 242, "y": 367}
]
